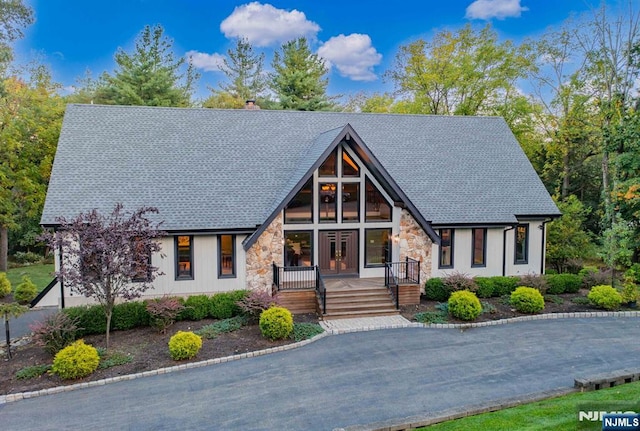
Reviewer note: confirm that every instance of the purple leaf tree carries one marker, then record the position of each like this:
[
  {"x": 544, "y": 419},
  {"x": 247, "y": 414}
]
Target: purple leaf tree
[{"x": 106, "y": 257}]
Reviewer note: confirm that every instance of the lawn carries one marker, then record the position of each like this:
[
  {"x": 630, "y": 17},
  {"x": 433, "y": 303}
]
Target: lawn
[
  {"x": 40, "y": 274},
  {"x": 553, "y": 414}
]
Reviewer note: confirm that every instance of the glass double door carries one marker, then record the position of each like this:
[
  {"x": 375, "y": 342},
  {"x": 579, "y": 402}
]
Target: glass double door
[{"x": 338, "y": 252}]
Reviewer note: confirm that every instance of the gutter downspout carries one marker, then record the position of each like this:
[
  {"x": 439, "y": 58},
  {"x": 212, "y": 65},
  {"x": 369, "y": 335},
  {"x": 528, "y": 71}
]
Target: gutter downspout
[
  {"x": 544, "y": 243},
  {"x": 61, "y": 282},
  {"x": 504, "y": 249}
]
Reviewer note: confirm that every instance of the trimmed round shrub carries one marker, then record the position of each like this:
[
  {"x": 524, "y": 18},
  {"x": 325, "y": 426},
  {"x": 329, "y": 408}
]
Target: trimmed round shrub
[
  {"x": 563, "y": 283},
  {"x": 486, "y": 287},
  {"x": 504, "y": 285},
  {"x": 184, "y": 345},
  {"x": 434, "y": 290},
  {"x": 605, "y": 296},
  {"x": 464, "y": 305},
  {"x": 527, "y": 300},
  {"x": 196, "y": 307},
  {"x": 225, "y": 304},
  {"x": 129, "y": 315},
  {"x": 276, "y": 323},
  {"x": 91, "y": 319},
  {"x": 26, "y": 291},
  {"x": 5, "y": 285},
  {"x": 75, "y": 361}
]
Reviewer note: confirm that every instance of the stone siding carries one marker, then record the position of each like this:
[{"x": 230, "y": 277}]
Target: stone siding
[
  {"x": 415, "y": 244},
  {"x": 266, "y": 250}
]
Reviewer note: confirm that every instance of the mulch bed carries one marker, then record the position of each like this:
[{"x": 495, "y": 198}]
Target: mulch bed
[{"x": 149, "y": 350}]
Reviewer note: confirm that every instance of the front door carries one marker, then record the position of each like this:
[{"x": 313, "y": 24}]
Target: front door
[{"x": 338, "y": 252}]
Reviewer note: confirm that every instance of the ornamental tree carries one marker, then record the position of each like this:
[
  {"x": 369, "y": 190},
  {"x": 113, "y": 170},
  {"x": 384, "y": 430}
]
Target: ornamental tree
[{"x": 105, "y": 257}]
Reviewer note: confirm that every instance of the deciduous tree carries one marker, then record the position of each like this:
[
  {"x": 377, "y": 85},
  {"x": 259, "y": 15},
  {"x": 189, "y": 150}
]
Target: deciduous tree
[{"x": 106, "y": 257}]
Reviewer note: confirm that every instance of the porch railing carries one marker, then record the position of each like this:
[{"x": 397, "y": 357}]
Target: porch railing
[
  {"x": 391, "y": 283},
  {"x": 407, "y": 271},
  {"x": 300, "y": 277}
]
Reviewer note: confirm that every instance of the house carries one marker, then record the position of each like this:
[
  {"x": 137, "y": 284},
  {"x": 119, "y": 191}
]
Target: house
[{"x": 257, "y": 198}]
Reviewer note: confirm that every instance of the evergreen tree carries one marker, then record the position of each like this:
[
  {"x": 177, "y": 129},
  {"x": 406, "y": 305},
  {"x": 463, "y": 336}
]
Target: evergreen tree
[
  {"x": 149, "y": 76},
  {"x": 299, "y": 80}
]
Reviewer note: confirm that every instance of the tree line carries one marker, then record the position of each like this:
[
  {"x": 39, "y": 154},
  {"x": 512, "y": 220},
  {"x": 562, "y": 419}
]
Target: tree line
[{"x": 570, "y": 98}]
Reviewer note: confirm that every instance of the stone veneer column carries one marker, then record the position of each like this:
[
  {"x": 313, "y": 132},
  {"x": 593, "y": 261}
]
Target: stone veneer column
[
  {"x": 266, "y": 250},
  {"x": 415, "y": 244}
]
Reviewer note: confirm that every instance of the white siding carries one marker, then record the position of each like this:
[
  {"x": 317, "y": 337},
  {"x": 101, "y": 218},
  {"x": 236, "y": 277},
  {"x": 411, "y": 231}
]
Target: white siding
[{"x": 494, "y": 253}]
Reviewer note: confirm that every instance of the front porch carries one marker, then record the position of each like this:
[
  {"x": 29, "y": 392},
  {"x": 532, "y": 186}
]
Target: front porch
[{"x": 306, "y": 290}]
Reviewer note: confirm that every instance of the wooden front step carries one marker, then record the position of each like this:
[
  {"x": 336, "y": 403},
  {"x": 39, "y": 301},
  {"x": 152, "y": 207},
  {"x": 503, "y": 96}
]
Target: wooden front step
[
  {"x": 298, "y": 301},
  {"x": 359, "y": 302}
]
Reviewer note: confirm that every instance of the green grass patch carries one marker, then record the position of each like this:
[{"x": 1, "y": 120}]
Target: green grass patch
[
  {"x": 32, "y": 372},
  {"x": 304, "y": 331},
  {"x": 225, "y": 325},
  {"x": 559, "y": 413},
  {"x": 40, "y": 274}
]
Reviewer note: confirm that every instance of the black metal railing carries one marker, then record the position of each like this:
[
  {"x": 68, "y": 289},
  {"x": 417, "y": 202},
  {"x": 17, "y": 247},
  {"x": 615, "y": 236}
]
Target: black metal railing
[
  {"x": 391, "y": 283},
  {"x": 44, "y": 291},
  {"x": 294, "y": 277},
  {"x": 407, "y": 272},
  {"x": 321, "y": 290}
]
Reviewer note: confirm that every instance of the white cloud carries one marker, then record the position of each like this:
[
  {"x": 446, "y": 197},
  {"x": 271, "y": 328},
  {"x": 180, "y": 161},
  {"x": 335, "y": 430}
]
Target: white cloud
[
  {"x": 352, "y": 55},
  {"x": 207, "y": 62},
  {"x": 264, "y": 25},
  {"x": 500, "y": 9}
]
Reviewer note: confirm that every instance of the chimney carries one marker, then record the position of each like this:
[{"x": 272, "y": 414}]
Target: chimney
[{"x": 251, "y": 105}]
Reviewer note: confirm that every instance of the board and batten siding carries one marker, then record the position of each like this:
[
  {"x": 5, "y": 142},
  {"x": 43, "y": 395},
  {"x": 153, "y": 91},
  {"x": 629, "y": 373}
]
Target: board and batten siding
[{"x": 494, "y": 253}]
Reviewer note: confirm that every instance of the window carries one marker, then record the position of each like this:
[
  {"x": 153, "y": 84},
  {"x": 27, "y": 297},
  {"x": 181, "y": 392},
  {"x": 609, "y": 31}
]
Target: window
[
  {"x": 184, "y": 257},
  {"x": 226, "y": 256},
  {"x": 350, "y": 202},
  {"x": 377, "y": 208},
  {"x": 327, "y": 205},
  {"x": 298, "y": 249},
  {"x": 91, "y": 261},
  {"x": 300, "y": 209},
  {"x": 329, "y": 167},
  {"x": 522, "y": 244},
  {"x": 141, "y": 261},
  {"x": 377, "y": 246},
  {"x": 478, "y": 247},
  {"x": 349, "y": 167},
  {"x": 446, "y": 248}
]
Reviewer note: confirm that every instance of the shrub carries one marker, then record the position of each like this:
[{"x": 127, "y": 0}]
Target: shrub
[
  {"x": 255, "y": 302},
  {"x": 32, "y": 372},
  {"x": 596, "y": 278},
  {"x": 488, "y": 307},
  {"x": 55, "y": 332},
  {"x": 276, "y": 323},
  {"x": 26, "y": 291},
  {"x": 26, "y": 257},
  {"x": 486, "y": 287},
  {"x": 464, "y": 305},
  {"x": 551, "y": 271},
  {"x": 221, "y": 326},
  {"x": 434, "y": 290},
  {"x": 459, "y": 281},
  {"x": 504, "y": 285},
  {"x": 224, "y": 305},
  {"x": 431, "y": 317},
  {"x": 113, "y": 359},
  {"x": 536, "y": 281},
  {"x": 304, "y": 331},
  {"x": 629, "y": 291},
  {"x": 196, "y": 307},
  {"x": 75, "y": 361},
  {"x": 605, "y": 296},
  {"x": 527, "y": 300},
  {"x": 581, "y": 300},
  {"x": 5, "y": 285},
  {"x": 129, "y": 315},
  {"x": 563, "y": 283},
  {"x": 164, "y": 311},
  {"x": 184, "y": 345},
  {"x": 633, "y": 273},
  {"x": 90, "y": 319}
]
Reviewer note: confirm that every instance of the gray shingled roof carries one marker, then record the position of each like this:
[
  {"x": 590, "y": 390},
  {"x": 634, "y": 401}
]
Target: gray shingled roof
[{"x": 229, "y": 169}]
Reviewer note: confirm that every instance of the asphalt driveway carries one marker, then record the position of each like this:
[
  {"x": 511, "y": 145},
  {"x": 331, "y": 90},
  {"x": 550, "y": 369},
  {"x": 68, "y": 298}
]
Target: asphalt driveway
[{"x": 349, "y": 379}]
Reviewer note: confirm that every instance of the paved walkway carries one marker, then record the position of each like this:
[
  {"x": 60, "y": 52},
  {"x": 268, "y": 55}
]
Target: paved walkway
[
  {"x": 342, "y": 381},
  {"x": 364, "y": 323}
]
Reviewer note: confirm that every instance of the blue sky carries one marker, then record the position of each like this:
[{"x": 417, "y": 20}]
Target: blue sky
[{"x": 359, "y": 39}]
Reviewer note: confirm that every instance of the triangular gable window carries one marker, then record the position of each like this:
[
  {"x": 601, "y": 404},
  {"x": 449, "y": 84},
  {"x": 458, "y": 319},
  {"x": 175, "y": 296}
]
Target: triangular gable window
[
  {"x": 349, "y": 167},
  {"x": 377, "y": 207},
  {"x": 329, "y": 167}
]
